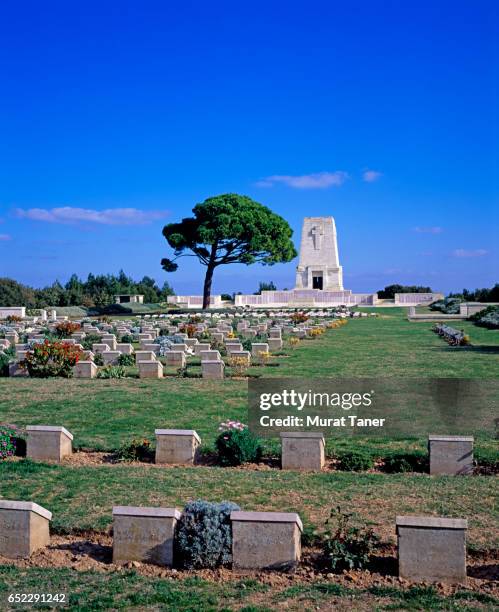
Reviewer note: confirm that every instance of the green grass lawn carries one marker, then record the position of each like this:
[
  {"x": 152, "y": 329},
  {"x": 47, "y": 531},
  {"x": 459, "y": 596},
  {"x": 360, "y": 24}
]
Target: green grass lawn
[
  {"x": 81, "y": 498},
  {"x": 103, "y": 414},
  {"x": 127, "y": 590}
]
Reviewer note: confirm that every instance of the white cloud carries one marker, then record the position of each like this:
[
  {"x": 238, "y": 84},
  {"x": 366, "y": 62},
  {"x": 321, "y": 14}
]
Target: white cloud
[
  {"x": 109, "y": 216},
  {"x": 318, "y": 180},
  {"x": 469, "y": 253},
  {"x": 429, "y": 230},
  {"x": 4, "y": 237},
  {"x": 369, "y": 176}
]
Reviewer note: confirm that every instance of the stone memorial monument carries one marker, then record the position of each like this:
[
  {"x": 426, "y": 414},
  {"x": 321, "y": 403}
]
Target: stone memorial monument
[{"x": 319, "y": 266}]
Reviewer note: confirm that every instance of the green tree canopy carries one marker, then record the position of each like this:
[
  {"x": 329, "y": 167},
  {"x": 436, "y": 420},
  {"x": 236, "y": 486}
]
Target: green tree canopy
[{"x": 226, "y": 229}]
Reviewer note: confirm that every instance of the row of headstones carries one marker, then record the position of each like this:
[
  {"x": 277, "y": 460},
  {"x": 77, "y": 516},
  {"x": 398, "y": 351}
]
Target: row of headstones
[
  {"x": 449, "y": 455},
  {"x": 260, "y": 540},
  {"x": 149, "y": 366}
]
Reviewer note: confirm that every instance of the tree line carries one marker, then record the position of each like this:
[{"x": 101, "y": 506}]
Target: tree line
[{"x": 97, "y": 290}]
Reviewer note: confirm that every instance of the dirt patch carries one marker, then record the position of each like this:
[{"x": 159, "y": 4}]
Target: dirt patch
[
  {"x": 86, "y": 457},
  {"x": 94, "y": 552}
]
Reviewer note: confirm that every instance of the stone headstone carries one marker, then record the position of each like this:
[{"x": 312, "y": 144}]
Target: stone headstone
[
  {"x": 302, "y": 451},
  {"x": 48, "y": 442},
  {"x": 452, "y": 455},
  {"x": 266, "y": 540},
  {"x": 176, "y": 445},
  {"x": 431, "y": 548},
  {"x": 144, "y": 534},
  {"x": 24, "y": 527}
]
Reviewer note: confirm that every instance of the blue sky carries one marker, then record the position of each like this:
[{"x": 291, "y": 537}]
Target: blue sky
[{"x": 117, "y": 117}]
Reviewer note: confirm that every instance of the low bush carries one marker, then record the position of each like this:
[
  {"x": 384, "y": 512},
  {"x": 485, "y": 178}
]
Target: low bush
[
  {"x": 299, "y": 317},
  {"x": 190, "y": 329},
  {"x": 294, "y": 341},
  {"x": 135, "y": 450},
  {"x": 354, "y": 461},
  {"x": 204, "y": 535},
  {"x": 65, "y": 329},
  {"x": 413, "y": 461},
  {"x": 127, "y": 338},
  {"x": 98, "y": 359},
  {"x": 489, "y": 317},
  {"x": 89, "y": 340},
  {"x": 447, "y": 306},
  {"x": 112, "y": 371},
  {"x": 4, "y": 363},
  {"x": 346, "y": 547},
  {"x": 47, "y": 359},
  {"x": 7, "y": 442},
  {"x": 239, "y": 365},
  {"x": 126, "y": 360},
  {"x": 237, "y": 445}
]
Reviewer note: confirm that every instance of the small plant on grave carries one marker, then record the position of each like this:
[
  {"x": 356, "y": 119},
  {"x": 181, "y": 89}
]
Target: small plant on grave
[
  {"x": 344, "y": 546},
  {"x": 239, "y": 365},
  {"x": 98, "y": 359},
  {"x": 13, "y": 319},
  {"x": 126, "y": 339},
  {"x": 190, "y": 329},
  {"x": 4, "y": 363},
  {"x": 413, "y": 461},
  {"x": 112, "y": 371},
  {"x": 215, "y": 345},
  {"x": 204, "y": 535},
  {"x": 65, "y": 329},
  {"x": 247, "y": 344},
  {"x": 126, "y": 360},
  {"x": 237, "y": 445},
  {"x": 299, "y": 317},
  {"x": 354, "y": 461},
  {"x": 294, "y": 341},
  {"x": 182, "y": 372},
  {"x": 89, "y": 340},
  {"x": 315, "y": 333},
  {"x": 138, "y": 449},
  {"x": 48, "y": 359},
  {"x": 7, "y": 442},
  {"x": 263, "y": 357}
]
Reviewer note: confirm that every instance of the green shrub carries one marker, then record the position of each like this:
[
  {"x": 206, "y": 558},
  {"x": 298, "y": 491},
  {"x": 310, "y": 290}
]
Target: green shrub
[
  {"x": 135, "y": 450},
  {"x": 7, "y": 442},
  {"x": 237, "y": 446},
  {"x": 90, "y": 340},
  {"x": 126, "y": 360},
  {"x": 489, "y": 317},
  {"x": 204, "y": 535},
  {"x": 346, "y": 547},
  {"x": 354, "y": 461},
  {"x": 413, "y": 461},
  {"x": 447, "y": 306},
  {"x": 112, "y": 371},
  {"x": 4, "y": 364},
  {"x": 98, "y": 359},
  {"x": 128, "y": 339},
  {"x": 48, "y": 359}
]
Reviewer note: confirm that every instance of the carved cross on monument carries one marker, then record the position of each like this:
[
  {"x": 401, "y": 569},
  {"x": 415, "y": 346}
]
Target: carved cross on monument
[{"x": 317, "y": 233}]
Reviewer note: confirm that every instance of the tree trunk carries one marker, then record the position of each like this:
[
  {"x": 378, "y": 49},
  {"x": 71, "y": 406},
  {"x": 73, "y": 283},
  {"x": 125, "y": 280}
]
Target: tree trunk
[{"x": 210, "y": 268}]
